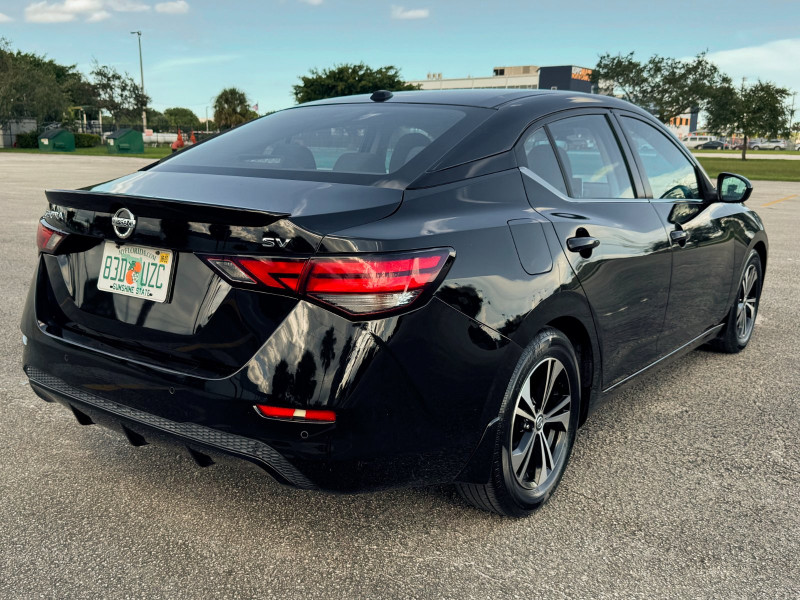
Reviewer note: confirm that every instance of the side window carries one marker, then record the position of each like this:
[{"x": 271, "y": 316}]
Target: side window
[
  {"x": 542, "y": 159},
  {"x": 591, "y": 158},
  {"x": 670, "y": 173}
]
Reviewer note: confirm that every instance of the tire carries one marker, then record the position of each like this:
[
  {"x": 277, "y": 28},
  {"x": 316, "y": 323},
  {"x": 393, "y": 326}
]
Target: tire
[
  {"x": 538, "y": 422},
  {"x": 736, "y": 333},
  {"x": 756, "y": 147}
]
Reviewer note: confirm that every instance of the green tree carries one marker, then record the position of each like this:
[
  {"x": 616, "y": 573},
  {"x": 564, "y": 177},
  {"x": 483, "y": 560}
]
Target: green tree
[
  {"x": 118, "y": 94},
  {"x": 157, "y": 121},
  {"x": 27, "y": 89},
  {"x": 231, "y": 108},
  {"x": 347, "y": 80},
  {"x": 182, "y": 117},
  {"x": 667, "y": 87},
  {"x": 756, "y": 110}
]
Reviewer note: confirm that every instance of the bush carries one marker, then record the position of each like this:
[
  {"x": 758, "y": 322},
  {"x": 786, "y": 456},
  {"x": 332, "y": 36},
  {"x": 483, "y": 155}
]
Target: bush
[
  {"x": 86, "y": 140},
  {"x": 28, "y": 140}
]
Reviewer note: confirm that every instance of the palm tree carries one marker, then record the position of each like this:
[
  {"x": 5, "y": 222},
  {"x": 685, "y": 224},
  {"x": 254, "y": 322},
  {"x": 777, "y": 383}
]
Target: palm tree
[{"x": 231, "y": 108}]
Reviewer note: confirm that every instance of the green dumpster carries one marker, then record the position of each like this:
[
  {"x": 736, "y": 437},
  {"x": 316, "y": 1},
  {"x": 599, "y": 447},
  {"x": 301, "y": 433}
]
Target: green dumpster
[
  {"x": 125, "y": 141},
  {"x": 57, "y": 140}
]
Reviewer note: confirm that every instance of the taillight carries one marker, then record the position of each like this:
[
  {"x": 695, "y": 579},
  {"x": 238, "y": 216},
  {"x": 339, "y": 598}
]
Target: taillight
[
  {"x": 275, "y": 273},
  {"x": 374, "y": 284},
  {"x": 362, "y": 285},
  {"x": 48, "y": 239}
]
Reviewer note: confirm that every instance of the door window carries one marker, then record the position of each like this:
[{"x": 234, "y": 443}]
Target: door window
[
  {"x": 670, "y": 173},
  {"x": 591, "y": 158},
  {"x": 542, "y": 159}
]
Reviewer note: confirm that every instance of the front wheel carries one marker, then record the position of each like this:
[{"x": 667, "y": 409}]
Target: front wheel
[
  {"x": 538, "y": 422},
  {"x": 741, "y": 321}
]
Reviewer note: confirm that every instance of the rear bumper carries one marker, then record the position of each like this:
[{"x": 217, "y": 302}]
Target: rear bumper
[
  {"x": 412, "y": 396},
  {"x": 139, "y": 426}
]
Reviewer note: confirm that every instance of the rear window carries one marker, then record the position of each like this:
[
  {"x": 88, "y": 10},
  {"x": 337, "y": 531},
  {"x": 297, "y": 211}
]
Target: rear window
[{"x": 370, "y": 140}]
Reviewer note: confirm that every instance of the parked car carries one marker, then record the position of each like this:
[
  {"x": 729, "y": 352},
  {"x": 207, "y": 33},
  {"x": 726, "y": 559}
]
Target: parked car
[
  {"x": 767, "y": 145},
  {"x": 395, "y": 289},
  {"x": 695, "y": 141},
  {"x": 714, "y": 145}
]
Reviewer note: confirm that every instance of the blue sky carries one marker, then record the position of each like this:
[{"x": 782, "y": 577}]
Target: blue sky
[{"x": 194, "y": 48}]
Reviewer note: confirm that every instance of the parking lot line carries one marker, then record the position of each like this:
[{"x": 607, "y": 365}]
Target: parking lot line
[{"x": 780, "y": 200}]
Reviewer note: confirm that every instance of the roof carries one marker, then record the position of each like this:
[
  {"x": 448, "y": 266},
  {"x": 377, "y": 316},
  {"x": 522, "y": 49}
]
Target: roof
[
  {"x": 51, "y": 133},
  {"x": 120, "y": 132},
  {"x": 488, "y": 98},
  {"x": 485, "y": 98}
]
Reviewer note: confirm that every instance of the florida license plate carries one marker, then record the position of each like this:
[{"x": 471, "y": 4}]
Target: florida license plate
[{"x": 136, "y": 271}]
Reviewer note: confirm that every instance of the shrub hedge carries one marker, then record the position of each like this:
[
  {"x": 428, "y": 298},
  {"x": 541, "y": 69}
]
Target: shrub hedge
[
  {"x": 86, "y": 140},
  {"x": 28, "y": 140}
]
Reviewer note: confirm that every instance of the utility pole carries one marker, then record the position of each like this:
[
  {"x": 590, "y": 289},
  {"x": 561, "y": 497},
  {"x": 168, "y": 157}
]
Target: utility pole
[
  {"x": 206, "y": 119},
  {"x": 141, "y": 72}
]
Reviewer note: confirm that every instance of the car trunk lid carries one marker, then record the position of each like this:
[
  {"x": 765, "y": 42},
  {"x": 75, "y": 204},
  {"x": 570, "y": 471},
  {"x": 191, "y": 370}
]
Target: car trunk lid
[{"x": 204, "y": 326}]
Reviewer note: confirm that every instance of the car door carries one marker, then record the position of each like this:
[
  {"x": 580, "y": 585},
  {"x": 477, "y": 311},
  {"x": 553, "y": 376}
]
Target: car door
[
  {"x": 702, "y": 245},
  {"x": 576, "y": 176}
]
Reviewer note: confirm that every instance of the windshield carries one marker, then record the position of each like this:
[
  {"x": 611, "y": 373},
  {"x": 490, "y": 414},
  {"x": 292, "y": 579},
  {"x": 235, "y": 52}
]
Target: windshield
[{"x": 360, "y": 139}]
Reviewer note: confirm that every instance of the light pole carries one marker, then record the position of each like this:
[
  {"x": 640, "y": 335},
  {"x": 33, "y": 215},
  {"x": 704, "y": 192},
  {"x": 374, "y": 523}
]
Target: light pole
[{"x": 141, "y": 73}]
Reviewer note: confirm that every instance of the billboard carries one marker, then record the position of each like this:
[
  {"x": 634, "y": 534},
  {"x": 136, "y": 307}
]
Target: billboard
[{"x": 569, "y": 77}]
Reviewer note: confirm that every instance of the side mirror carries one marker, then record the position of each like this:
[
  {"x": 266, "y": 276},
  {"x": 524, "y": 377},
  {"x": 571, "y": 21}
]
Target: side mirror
[{"x": 733, "y": 188}]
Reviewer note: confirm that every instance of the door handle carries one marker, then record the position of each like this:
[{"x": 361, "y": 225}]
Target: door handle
[
  {"x": 582, "y": 244},
  {"x": 679, "y": 237}
]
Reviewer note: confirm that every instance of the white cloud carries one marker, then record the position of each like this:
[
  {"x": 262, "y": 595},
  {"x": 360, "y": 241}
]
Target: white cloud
[
  {"x": 777, "y": 61},
  {"x": 312, "y": 2},
  {"x": 92, "y": 10},
  {"x": 5, "y": 18},
  {"x": 127, "y": 6},
  {"x": 178, "y": 7},
  {"x": 100, "y": 15},
  {"x": 400, "y": 12}
]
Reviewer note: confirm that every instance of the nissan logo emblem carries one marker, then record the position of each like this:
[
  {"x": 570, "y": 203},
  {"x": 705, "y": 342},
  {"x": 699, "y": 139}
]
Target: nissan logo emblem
[{"x": 123, "y": 222}]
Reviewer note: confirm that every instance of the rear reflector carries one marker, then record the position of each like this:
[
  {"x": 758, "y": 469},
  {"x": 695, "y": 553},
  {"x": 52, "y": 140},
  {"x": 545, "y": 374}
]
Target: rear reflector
[
  {"x": 358, "y": 285},
  {"x": 47, "y": 239},
  {"x": 296, "y": 414}
]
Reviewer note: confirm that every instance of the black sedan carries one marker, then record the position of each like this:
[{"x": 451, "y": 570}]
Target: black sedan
[
  {"x": 386, "y": 290},
  {"x": 714, "y": 145}
]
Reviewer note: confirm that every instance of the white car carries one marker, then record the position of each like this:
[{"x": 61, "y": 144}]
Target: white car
[
  {"x": 695, "y": 141},
  {"x": 769, "y": 145}
]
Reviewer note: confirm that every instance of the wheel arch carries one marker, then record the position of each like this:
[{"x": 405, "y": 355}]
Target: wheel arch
[
  {"x": 581, "y": 341},
  {"x": 570, "y": 313},
  {"x": 761, "y": 247}
]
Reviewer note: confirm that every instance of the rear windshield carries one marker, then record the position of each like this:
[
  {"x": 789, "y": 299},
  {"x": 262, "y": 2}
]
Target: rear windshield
[{"x": 369, "y": 140}]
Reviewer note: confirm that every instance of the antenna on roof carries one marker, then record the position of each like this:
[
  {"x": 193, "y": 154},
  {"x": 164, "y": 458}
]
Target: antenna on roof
[{"x": 381, "y": 96}]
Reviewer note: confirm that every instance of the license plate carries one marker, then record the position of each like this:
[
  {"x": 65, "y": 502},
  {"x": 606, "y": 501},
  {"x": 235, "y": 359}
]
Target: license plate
[{"x": 136, "y": 271}]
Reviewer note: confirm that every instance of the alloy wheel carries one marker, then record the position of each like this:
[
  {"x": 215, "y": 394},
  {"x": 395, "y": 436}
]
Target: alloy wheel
[
  {"x": 540, "y": 426},
  {"x": 746, "y": 303}
]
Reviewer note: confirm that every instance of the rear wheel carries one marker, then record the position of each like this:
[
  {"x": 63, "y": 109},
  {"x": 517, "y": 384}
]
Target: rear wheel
[
  {"x": 538, "y": 422},
  {"x": 741, "y": 320}
]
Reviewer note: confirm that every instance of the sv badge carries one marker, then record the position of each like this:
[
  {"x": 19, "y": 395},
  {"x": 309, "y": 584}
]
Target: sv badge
[{"x": 274, "y": 242}]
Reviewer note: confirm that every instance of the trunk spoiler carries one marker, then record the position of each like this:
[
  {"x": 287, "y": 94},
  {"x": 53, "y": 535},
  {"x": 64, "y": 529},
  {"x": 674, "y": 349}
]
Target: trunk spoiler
[{"x": 158, "y": 208}]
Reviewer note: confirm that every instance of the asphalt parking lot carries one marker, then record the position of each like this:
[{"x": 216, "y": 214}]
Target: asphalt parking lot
[{"x": 685, "y": 485}]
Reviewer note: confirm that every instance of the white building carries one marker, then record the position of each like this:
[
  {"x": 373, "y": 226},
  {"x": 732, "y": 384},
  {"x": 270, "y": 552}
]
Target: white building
[
  {"x": 524, "y": 77},
  {"x": 8, "y": 134}
]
